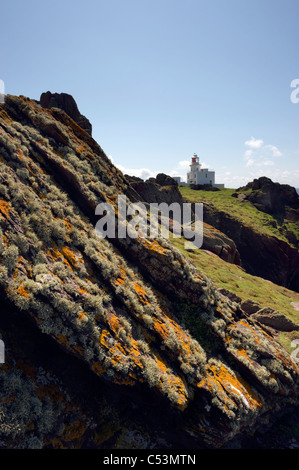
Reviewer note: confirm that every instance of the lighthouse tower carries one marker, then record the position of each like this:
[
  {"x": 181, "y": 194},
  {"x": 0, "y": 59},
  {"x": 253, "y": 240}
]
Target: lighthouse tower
[
  {"x": 195, "y": 164},
  {"x": 198, "y": 175},
  {"x": 195, "y": 167}
]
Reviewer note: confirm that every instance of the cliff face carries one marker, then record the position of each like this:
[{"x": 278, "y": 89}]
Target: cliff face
[
  {"x": 97, "y": 351},
  {"x": 262, "y": 255},
  {"x": 262, "y": 220}
]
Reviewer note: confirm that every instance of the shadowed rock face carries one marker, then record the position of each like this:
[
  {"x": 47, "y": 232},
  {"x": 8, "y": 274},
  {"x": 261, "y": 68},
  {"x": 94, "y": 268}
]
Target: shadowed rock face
[
  {"x": 262, "y": 255},
  {"x": 68, "y": 104},
  {"x": 163, "y": 188},
  {"x": 97, "y": 352}
]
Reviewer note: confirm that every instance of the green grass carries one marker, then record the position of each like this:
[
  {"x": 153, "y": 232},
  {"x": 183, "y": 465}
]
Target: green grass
[
  {"x": 246, "y": 286},
  {"x": 244, "y": 212}
]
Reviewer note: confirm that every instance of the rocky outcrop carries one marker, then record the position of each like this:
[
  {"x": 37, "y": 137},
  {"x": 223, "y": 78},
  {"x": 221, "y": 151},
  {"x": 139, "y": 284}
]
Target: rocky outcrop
[
  {"x": 270, "y": 317},
  {"x": 163, "y": 188},
  {"x": 217, "y": 242},
  {"x": 250, "y": 307},
  {"x": 262, "y": 255},
  {"x": 271, "y": 197},
  {"x": 67, "y": 103},
  {"x": 98, "y": 331}
]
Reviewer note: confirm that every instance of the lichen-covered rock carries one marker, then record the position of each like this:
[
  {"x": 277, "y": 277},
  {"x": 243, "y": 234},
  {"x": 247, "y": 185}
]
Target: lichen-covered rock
[
  {"x": 136, "y": 318},
  {"x": 67, "y": 103},
  {"x": 277, "y": 320}
]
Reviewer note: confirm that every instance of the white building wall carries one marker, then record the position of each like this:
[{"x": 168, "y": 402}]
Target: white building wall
[
  {"x": 205, "y": 176},
  {"x": 201, "y": 176}
]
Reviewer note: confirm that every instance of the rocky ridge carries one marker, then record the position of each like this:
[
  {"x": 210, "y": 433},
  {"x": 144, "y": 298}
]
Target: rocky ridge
[{"x": 113, "y": 311}]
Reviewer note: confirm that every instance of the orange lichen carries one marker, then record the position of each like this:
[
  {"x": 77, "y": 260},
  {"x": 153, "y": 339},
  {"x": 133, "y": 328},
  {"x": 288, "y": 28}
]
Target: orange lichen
[
  {"x": 68, "y": 228},
  {"x": 22, "y": 291},
  {"x": 70, "y": 256},
  {"x": 120, "y": 279},
  {"x": 5, "y": 116},
  {"x": 143, "y": 297},
  {"x": 252, "y": 330},
  {"x": 198, "y": 276},
  {"x": 243, "y": 353},
  {"x": 81, "y": 315},
  {"x": 220, "y": 379},
  {"x": 4, "y": 208},
  {"x": 114, "y": 322},
  {"x": 82, "y": 291},
  {"x": 135, "y": 353},
  {"x": 174, "y": 383},
  {"x": 152, "y": 245},
  {"x": 54, "y": 253},
  {"x": 161, "y": 329}
]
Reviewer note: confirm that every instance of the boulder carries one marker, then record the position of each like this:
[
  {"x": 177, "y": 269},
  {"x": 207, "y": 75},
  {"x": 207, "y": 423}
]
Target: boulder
[
  {"x": 250, "y": 307},
  {"x": 277, "y": 320},
  {"x": 165, "y": 180}
]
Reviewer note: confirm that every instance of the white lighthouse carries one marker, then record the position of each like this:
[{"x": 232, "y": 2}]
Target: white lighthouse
[{"x": 200, "y": 175}]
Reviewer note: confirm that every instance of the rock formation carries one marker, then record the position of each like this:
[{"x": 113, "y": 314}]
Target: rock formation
[
  {"x": 271, "y": 197},
  {"x": 67, "y": 103},
  {"x": 163, "y": 188},
  {"x": 119, "y": 342}
]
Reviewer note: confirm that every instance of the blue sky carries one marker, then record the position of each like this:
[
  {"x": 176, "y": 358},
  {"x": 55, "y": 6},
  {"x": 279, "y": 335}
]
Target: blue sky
[{"x": 162, "y": 79}]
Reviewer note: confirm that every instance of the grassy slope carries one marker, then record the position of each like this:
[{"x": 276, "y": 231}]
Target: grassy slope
[
  {"x": 245, "y": 211},
  {"x": 233, "y": 277}
]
